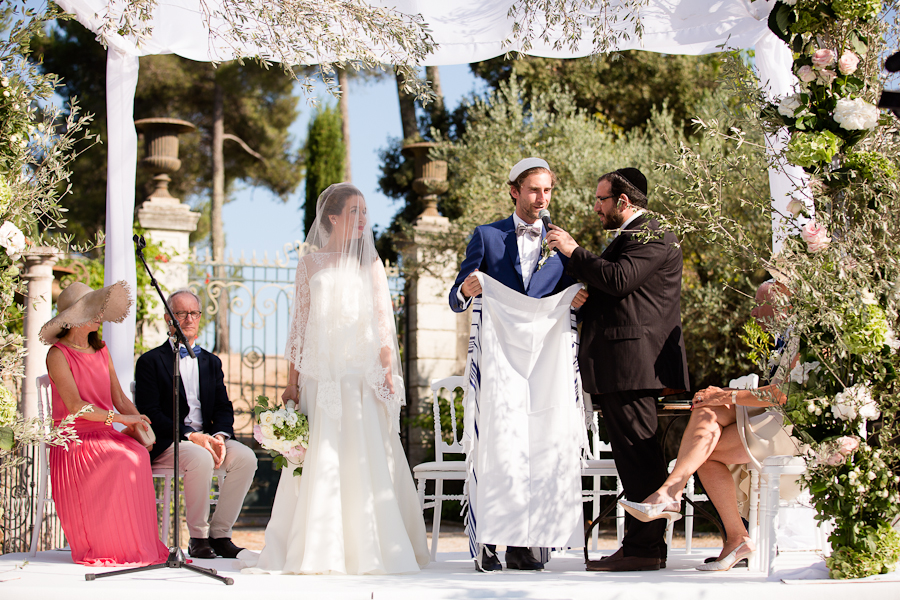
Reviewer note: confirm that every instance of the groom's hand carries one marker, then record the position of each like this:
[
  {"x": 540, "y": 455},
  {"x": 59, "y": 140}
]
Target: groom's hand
[{"x": 471, "y": 287}]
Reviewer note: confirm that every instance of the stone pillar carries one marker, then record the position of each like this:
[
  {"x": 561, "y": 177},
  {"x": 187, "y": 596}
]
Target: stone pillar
[
  {"x": 38, "y": 274},
  {"x": 166, "y": 219},
  {"x": 432, "y": 327}
]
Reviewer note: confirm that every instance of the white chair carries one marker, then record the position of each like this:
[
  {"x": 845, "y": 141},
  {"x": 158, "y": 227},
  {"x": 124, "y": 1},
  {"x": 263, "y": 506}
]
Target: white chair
[
  {"x": 596, "y": 468},
  {"x": 441, "y": 470},
  {"x": 45, "y": 413},
  {"x": 690, "y": 496},
  {"x": 765, "y": 487}
]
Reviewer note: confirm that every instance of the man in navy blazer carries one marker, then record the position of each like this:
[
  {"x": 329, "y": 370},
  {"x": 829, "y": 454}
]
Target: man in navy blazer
[
  {"x": 510, "y": 251},
  {"x": 207, "y": 432},
  {"x": 632, "y": 349}
]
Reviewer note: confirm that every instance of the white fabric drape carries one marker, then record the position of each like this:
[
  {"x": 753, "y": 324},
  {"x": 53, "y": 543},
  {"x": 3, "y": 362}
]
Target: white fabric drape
[
  {"x": 121, "y": 82},
  {"x": 524, "y": 420},
  {"x": 465, "y": 31}
]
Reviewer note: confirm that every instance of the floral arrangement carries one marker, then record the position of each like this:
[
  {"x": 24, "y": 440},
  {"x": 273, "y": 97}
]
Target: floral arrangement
[
  {"x": 284, "y": 432},
  {"x": 840, "y": 261},
  {"x": 37, "y": 144}
]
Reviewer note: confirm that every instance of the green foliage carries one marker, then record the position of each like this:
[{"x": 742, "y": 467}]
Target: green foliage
[
  {"x": 325, "y": 155},
  {"x": 880, "y": 555},
  {"x": 760, "y": 343},
  {"x": 624, "y": 88}
]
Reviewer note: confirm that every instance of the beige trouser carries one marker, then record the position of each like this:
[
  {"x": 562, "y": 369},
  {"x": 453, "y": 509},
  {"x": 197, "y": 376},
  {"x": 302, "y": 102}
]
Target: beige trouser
[{"x": 197, "y": 466}]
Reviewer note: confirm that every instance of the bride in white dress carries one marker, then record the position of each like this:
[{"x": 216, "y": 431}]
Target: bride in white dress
[{"x": 354, "y": 510}]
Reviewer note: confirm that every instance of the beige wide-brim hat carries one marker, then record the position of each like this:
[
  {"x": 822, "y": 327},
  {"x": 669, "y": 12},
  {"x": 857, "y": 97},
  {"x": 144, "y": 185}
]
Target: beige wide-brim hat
[{"x": 78, "y": 305}]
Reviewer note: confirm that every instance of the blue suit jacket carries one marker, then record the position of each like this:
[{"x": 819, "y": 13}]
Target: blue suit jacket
[{"x": 493, "y": 250}]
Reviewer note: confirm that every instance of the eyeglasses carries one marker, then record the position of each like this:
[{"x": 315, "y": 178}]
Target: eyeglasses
[
  {"x": 605, "y": 198},
  {"x": 183, "y": 315}
]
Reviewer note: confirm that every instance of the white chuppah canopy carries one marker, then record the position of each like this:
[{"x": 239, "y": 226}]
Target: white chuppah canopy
[{"x": 464, "y": 30}]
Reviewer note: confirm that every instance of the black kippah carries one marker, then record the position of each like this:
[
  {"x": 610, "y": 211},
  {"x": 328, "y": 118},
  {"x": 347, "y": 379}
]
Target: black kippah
[{"x": 635, "y": 178}]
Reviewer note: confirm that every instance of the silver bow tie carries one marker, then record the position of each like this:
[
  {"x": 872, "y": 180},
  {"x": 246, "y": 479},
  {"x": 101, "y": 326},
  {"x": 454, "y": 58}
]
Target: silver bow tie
[{"x": 532, "y": 231}]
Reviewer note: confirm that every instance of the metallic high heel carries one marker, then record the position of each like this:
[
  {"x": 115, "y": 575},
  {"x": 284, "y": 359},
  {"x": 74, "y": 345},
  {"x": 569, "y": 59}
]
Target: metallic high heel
[
  {"x": 729, "y": 561},
  {"x": 649, "y": 512}
]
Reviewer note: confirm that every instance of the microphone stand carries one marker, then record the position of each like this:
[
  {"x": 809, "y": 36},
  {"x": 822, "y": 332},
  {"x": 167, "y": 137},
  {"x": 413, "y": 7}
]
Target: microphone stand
[{"x": 176, "y": 559}]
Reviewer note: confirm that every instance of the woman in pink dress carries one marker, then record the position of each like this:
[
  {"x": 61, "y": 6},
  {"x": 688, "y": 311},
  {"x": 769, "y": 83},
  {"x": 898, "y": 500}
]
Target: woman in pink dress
[{"x": 102, "y": 484}]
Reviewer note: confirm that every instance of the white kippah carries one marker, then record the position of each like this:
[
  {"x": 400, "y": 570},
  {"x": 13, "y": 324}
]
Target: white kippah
[{"x": 525, "y": 164}]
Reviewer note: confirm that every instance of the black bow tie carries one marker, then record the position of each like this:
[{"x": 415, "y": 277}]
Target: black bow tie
[
  {"x": 532, "y": 231},
  {"x": 182, "y": 351}
]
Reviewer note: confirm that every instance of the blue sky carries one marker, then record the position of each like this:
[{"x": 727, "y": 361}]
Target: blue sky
[{"x": 257, "y": 220}]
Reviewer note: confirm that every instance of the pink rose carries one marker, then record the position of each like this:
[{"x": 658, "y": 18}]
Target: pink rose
[
  {"x": 827, "y": 76},
  {"x": 848, "y": 444},
  {"x": 257, "y": 434},
  {"x": 823, "y": 57},
  {"x": 806, "y": 74},
  {"x": 815, "y": 236},
  {"x": 848, "y": 62}
]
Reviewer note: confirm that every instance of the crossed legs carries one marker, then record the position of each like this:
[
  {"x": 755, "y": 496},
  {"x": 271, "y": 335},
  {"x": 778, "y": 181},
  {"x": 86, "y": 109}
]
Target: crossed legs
[{"x": 710, "y": 443}]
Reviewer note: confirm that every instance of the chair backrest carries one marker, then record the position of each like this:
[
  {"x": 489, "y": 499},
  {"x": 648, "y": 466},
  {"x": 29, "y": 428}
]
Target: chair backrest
[
  {"x": 440, "y": 446},
  {"x": 747, "y": 382},
  {"x": 45, "y": 400},
  {"x": 597, "y": 445}
]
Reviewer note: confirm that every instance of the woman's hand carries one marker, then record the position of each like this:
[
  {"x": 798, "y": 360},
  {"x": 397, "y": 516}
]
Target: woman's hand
[
  {"x": 712, "y": 396},
  {"x": 133, "y": 421},
  {"x": 291, "y": 394},
  {"x": 389, "y": 381}
]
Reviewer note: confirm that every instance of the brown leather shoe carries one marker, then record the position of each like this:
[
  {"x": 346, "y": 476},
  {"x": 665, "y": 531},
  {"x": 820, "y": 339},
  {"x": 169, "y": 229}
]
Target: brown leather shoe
[{"x": 624, "y": 563}]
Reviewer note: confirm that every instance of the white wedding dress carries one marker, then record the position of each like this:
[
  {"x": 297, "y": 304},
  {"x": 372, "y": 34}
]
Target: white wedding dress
[{"x": 355, "y": 509}]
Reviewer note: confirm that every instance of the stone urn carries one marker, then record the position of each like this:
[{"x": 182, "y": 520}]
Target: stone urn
[
  {"x": 161, "y": 142},
  {"x": 430, "y": 175}
]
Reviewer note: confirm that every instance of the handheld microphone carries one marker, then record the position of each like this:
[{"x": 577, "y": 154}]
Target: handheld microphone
[{"x": 544, "y": 214}]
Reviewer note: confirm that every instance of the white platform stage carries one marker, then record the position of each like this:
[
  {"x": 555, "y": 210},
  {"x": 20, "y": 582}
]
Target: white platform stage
[{"x": 53, "y": 575}]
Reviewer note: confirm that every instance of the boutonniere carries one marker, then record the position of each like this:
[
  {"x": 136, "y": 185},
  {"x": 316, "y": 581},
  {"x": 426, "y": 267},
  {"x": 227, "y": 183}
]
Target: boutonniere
[{"x": 546, "y": 254}]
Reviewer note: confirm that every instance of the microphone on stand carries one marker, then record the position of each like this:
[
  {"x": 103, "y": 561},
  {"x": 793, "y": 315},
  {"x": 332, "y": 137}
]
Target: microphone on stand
[{"x": 544, "y": 214}]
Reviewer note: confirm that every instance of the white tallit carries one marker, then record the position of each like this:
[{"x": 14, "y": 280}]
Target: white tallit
[{"x": 524, "y": 420}]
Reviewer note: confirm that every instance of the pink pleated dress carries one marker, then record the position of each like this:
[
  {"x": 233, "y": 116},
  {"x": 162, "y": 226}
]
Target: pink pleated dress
[{"x": 103, "y": 487}]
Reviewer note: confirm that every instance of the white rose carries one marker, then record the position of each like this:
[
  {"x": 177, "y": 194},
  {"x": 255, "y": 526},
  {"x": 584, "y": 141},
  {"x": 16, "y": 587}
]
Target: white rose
[
  {"x": 279, "y": 420},
  {"x": 869, "y": 410},
  {"x": 855, "y": 114},
  {"x": 12, "y": 238},
  {"x": 788, "y": 105},
  {"x": 266, "y": 418},
  {"x": 800, "y": 373},
  {"x": 268, "y": 432},
  {"x": 292, "y": 418},
  {"x": 844, "y": 412},
  {"x": 795, "y": 207}
]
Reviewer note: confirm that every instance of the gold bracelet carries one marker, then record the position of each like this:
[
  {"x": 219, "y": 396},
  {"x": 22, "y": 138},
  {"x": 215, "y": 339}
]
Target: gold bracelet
[{"x": 109, "y": 417}]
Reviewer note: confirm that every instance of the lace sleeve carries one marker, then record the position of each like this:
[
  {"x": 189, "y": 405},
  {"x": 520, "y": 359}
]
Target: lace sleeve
[
  {"x": 384, "y": 309},
  {"x": 299, "y": 316}
]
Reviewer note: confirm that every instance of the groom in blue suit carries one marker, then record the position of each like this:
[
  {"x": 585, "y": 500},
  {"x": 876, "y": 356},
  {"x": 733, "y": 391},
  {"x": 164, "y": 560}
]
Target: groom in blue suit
[{"x": 511, "y": 251}]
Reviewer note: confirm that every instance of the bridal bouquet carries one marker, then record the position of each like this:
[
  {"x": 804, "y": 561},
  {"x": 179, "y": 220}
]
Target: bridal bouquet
[{"x": 284, "y": 432}]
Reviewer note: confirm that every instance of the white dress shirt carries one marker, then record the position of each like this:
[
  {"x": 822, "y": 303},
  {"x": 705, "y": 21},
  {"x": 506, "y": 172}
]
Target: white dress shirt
[
  {"x": 529, "y": 248},
  {"x": 190, "y": 379}
]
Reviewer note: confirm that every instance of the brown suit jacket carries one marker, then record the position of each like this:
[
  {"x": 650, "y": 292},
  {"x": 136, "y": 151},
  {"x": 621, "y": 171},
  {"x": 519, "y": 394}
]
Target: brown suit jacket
[{"x": 631, "y": 335}]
